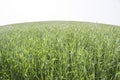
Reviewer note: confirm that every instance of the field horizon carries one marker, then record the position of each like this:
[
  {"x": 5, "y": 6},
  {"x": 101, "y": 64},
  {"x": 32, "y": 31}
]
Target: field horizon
[{"x": 89, "y": 22}]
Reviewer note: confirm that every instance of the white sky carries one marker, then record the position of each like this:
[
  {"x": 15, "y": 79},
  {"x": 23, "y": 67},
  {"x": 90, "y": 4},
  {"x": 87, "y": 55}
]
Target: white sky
[{"x": 17, "y": 11}]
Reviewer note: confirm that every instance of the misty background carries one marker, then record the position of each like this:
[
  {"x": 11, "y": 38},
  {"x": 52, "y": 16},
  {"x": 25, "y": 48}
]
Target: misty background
[{"x": 100, "y": 11}]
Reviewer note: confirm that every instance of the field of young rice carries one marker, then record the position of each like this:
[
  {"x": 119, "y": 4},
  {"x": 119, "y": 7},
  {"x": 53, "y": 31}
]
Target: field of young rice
[{"x": 59, "y": 51}]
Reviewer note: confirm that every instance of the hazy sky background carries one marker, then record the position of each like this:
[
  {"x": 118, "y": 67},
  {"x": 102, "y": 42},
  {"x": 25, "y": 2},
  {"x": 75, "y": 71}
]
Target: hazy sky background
[{"x": 101, "y": 11}]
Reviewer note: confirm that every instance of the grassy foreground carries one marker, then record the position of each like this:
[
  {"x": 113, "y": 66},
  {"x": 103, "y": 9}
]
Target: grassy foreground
[{"x": 59, "y": 51}]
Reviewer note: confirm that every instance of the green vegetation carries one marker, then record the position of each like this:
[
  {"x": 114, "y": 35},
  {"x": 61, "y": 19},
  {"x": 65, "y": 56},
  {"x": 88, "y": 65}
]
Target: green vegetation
[{"x": 59, "y": 51}]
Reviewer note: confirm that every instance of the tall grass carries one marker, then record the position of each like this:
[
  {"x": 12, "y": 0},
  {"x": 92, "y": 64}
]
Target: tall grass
[{"x": 59, "y": 51}]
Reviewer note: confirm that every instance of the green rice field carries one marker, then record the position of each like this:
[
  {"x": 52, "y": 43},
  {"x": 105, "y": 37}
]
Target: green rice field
[{"x": 59, "y": 50}]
